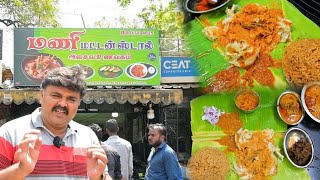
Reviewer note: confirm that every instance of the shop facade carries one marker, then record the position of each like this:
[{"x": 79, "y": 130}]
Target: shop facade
[{"x": 132, "y": 106}]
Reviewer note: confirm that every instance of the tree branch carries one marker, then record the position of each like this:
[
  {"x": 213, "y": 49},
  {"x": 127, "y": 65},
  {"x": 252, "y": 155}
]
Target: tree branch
[{"x": 9, "y": 22}]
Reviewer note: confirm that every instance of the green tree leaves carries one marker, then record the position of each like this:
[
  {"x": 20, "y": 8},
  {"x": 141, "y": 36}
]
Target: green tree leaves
[
  {"x": 29, "y": 13},
  {"x": 124, "y": 3}
]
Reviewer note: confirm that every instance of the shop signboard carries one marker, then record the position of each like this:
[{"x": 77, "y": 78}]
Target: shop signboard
[
  {"x": 113, "y": 57},
  {"x": 178, "y": 70}
]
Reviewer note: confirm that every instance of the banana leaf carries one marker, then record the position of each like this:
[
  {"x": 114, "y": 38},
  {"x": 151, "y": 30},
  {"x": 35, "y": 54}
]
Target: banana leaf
[{"x": 210, "y": 61}]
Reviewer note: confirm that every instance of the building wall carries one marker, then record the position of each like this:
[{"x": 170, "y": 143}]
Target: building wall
[{"x": 4, "y": 113}]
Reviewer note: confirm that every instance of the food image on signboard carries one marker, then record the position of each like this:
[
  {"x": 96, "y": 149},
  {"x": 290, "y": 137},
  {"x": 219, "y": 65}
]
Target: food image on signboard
[
  {"x": 138, "y": 70},
  {"x": 110, "y": 71},
  {"x": 141, "y": 71},
  {"x": 88, "y": 71},
  {"x": 35, "y": 67}
]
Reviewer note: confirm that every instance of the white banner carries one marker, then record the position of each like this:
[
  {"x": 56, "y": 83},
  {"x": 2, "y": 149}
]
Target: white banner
[
  {"x": 0, "y": 72},
  {"x": 6, "y": 49},
  {"x": 1, "y": 42}
]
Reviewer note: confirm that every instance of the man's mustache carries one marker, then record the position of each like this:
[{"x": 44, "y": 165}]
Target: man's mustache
[{"x": 61, "y": 108}]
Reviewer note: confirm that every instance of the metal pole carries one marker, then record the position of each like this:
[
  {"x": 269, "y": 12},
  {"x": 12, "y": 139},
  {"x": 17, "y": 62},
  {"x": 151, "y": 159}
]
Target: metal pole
[
  {"x": 84, "y": 26},
  {"x": 177, "y": 135}
]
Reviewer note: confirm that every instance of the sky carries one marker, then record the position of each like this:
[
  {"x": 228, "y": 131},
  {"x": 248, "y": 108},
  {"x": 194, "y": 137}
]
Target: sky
[
  {"x": 94, "y": 10},
  {"x": 91, "y": 11},
  {"x": 70, "y": 17}
]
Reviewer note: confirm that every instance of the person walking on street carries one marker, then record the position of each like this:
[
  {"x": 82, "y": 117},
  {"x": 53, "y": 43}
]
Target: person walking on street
[
  {"x": 48, "y": 144},
  {"x": 113, "y": 167},
  {"x": 162, "y": 161},
  {"x": 123, "y": 147}
]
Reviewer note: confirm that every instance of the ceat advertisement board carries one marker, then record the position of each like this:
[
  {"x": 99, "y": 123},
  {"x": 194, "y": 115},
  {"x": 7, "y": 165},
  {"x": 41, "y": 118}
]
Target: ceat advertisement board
[{"x": 178, "y": 70}]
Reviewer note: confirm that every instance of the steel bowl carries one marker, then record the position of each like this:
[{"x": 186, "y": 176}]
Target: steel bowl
[
  {"x": 243, "y": 92},
  {"x": 293, "y": 135},
  {"x": 190, "y": 6},
  {"x": 287, "y": 121},
  {"x": 303, "y": 99}
]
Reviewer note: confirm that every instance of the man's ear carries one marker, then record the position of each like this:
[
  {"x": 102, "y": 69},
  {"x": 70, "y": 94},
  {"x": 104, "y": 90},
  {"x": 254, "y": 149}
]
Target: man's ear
[
  {"x": 162, "y": 138},
  {"x": 107, "y": 131},
  {"x": 40, "y": 95}
]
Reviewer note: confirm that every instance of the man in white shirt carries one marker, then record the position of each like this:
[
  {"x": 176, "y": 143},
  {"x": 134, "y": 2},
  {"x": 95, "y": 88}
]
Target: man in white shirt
[{"x": 123, "y": 147}]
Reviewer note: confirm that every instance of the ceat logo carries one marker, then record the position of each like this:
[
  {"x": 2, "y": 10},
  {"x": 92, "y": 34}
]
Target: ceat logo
[{"x": 183, "y": 64}]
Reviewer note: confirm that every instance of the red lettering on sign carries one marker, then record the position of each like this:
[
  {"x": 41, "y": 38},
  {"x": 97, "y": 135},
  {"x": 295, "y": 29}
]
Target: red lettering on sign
[{"x": 39, "y": 43}]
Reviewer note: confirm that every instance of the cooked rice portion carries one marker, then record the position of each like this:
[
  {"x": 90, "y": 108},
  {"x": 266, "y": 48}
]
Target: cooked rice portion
[
  {"x": 301, "y": 62},
  {"x": 208, "y": 163}
]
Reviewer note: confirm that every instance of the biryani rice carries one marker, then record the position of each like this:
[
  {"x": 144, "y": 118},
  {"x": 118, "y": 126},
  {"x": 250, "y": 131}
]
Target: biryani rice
[
  {"x": 301, "y": 62},
  {"x": 208, "y": 163}
]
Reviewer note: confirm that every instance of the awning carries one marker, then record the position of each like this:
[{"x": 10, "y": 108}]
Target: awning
[{"x": 165, "y": 96}]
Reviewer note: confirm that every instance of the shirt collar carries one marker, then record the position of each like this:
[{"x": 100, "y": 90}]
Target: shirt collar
[
  {"x": 114, "y": 137},
  {"x": 162, "y": 144}
]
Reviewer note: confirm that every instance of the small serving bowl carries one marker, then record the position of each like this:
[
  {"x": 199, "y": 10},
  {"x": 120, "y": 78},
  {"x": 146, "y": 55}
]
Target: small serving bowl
[
  {"x": 292, "y": 136},
  {"x": 247, "y": 100},
  {"x": 290, "y": 97},
  {"x": 308, "y": 98},
  {"x": 190, "y": 6}
]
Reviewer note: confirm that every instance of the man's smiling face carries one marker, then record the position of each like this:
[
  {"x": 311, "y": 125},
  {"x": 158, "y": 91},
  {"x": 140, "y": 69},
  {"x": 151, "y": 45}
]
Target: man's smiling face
[{"x": 59, "y": 105}]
